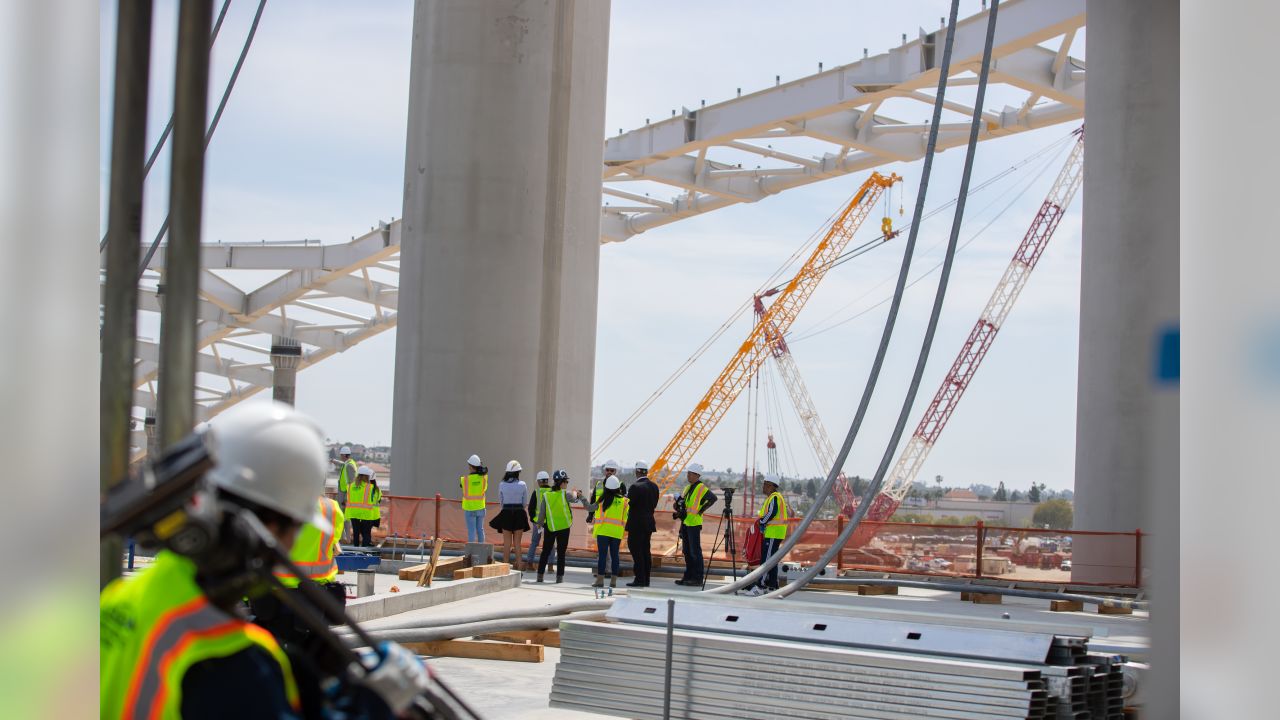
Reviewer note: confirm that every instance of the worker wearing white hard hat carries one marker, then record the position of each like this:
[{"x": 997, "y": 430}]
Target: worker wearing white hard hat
[
  {"x": 535, "y": 498},
  {"x": 610, "y": 525},
  {"x": 772, "y": 523},
  {"x": 364, "y": 506},
  {"x": 171, "y": 647},
  {"x": 512, "y": 521},
  {"x": 643, "y": 497},
  {"x": 346, "y": 475},
  {"x": 475, "y": 488},
  {"x": 692, "y": 503}
]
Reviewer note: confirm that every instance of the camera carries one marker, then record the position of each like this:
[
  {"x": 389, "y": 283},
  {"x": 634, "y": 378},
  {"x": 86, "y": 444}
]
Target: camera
[{"x": 728, "y": 496}]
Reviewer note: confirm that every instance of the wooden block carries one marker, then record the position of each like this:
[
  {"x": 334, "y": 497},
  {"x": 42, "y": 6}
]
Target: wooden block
[
  {"x": 430, "y": 571},
  {"x": 444, "y": 568},
  {"x": 491, "y": 570},
  {"x": 986, "y": 598},
  {"x": 1114, "y": 610},
  {"x": 412, "y": 572},
  {"x": 1065, "y": 606},
  {"x": 464, "y": 573},
  {"x": 478, "y": 649},
  {"x": 549, "y": 638},
  {"x": 966, "y": 596},
  {"x": 877, "y": 589}
]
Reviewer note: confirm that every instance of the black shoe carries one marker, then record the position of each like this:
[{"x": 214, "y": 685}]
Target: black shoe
[
  {"x": 539, "y": 577},
  {"x": 633, "y": 583},
  {"x": 684, "y": 582},
  {"x": 559, "y": 579}
]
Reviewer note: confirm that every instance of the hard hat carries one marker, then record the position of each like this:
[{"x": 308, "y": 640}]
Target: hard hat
[
  {"x": 613, "y": 483},
  {"x": 771, "y": 479},
  {"x": 642, "y": 465},
  {"x": 514, "y": 466},
  {"x": 543, "y": 476},
  {"x": 474, "y": 461},
  {"x": 694, "y": 469},
  {"x": 344, "y": 450},
  {"x": 559, "y": 475},
  {"x": 611, "y": 465},
  {"x": 365, "y": 470},
  {"x": 270, "y": 454}
]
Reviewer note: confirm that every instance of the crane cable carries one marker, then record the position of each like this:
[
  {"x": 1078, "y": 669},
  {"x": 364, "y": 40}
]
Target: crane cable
[
  {"x": 794, "y": 535},
  {"x": 926, "y": 345}
]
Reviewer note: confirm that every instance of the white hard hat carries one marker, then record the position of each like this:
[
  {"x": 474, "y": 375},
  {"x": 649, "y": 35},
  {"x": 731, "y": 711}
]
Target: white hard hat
[
  {"x": 610, "y": 464},
  {"x": 543, "y": 475},
  {"x": 365, "y": 470},
  {"x": 270, "y": 454},
  {"x": 642, "y": 465},
  {"x": 514, "y": 466},
  {"x": 613, "y": 483},
  {"x": 771, "y": 478},
  {"x": 474, "y": 461},
  {"x": 344, "y": 450},
  {"x": 694, "y": 469}
]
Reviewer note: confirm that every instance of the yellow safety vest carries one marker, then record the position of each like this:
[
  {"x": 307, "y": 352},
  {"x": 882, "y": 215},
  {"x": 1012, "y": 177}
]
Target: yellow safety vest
[
  {"x": 474, "y": 487},
  {"x": 613, "y": 521},
  {"x": 346, "y": 476},
  {"x": 363, "y": 501},
  {"x": 554, "y": 510},
  {"x": 154, "y": 627},
  {"x": 313, "y": 550},
  {"x": 777, "y": 527},
  {"x": 693, "y": 495}
]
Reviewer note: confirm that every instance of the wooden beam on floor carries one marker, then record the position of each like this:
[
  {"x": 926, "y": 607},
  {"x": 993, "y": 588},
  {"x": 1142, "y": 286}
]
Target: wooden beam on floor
[
  {"x": 549, "y": 638},
  {"x": 479, "y": 650}
]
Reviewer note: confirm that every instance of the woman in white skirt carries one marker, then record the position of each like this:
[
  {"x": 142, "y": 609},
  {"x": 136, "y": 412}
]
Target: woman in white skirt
[{"x": 513, "y": 520}]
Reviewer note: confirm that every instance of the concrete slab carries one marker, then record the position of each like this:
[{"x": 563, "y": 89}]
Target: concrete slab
[{"x": 411, "y": 597}]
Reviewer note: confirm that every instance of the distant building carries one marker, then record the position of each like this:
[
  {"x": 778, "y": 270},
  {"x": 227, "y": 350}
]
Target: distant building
[{"x": 961, "y": 495}]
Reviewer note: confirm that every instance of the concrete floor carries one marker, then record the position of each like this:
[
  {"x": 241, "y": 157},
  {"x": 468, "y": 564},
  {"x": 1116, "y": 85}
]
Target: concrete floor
[{"x": 498, "y": 689}]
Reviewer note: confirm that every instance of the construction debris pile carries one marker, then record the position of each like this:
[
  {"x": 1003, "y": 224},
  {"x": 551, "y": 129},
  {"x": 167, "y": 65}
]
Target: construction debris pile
[{"x": 736, "y": 659}]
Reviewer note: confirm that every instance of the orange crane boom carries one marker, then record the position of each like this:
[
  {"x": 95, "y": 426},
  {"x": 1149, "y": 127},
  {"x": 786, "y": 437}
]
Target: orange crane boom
[{"x": 756, "y": 348}]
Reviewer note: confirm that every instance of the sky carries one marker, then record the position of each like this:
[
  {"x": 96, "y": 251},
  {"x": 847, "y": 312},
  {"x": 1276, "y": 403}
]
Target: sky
[{"x": 312, "y": 146}]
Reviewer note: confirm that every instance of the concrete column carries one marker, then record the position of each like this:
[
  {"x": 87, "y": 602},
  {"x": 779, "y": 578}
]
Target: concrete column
[
  {"x": 286, "y": 353},
  {"x": 153, "y": 435},
  {"x": 495, "y": 347},
  {"x": 1127, "y": 407}
]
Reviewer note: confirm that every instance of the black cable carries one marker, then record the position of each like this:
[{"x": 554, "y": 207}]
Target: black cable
[
  {"x": 891, "y": 448},
  {"x": 868, "y": 390},
  {"x": 213, "y": 126}
]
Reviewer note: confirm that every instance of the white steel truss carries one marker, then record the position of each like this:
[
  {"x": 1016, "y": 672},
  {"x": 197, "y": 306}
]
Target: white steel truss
[{"x": 838, "y": 121}]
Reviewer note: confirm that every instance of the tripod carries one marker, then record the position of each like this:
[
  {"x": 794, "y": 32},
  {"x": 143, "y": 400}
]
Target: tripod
[{"x": 724, "y": 539}]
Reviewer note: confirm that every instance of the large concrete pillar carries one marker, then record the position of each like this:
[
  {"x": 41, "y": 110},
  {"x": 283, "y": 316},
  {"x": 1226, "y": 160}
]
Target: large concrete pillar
[
  {"x": 1127, "y": 408},
  {"x": 495, "y": 346}
]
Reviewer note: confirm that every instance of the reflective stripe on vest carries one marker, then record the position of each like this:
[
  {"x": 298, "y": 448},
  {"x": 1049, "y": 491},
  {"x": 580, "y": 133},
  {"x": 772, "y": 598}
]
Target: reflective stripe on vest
[
  {"x": 312, "y": 551},
  {"x": 345, "y": 475},
  {"x": 613, "y": 521},
  {"x": 363, "y": 502},
  {"x": 474, "y": 488},
  {"x": 776, "y": 529},
  {"x": 155, "y": 627},
  {"x": 693, "y": 504},
  {"x": 558, "y": 514}
]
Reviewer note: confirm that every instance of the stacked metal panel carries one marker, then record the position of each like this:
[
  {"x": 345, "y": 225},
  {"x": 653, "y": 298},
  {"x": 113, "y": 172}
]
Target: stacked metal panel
[{"x": 735, "y": 659}]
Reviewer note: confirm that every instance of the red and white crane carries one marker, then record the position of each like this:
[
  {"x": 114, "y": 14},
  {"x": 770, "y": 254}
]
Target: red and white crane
[{"x": 898, "y": 482}]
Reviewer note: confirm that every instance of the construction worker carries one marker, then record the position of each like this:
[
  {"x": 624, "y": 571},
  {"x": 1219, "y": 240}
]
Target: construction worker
[
  {"x": 555, "y": 516},
  {"x": 643, "y": 496},
  {"x": 535, "y": 498},
  {"x": 364, "y": 506},
  {"x": 610, "y": 469},
  {"x": 693, "y": 502},
  {"x": 773, "y": 527},
  {"x": 610, "y": 523},
  {"x": 513, "y": 520},
  {"x": 172, "y": 642},
  {"x": 475, "y": 485},
  {"x": 346, "y": 475}
]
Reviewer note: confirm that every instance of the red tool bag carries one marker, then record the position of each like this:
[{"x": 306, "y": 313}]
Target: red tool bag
[{"x": 751, "y": 545}]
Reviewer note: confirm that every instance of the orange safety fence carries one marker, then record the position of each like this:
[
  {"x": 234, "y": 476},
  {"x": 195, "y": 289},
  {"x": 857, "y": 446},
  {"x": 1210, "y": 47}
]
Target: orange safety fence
[{"x": 961, "y": 551}]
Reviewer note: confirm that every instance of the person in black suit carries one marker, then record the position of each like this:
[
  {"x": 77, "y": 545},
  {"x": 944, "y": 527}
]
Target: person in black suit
[{"x": 643, "y": 495}]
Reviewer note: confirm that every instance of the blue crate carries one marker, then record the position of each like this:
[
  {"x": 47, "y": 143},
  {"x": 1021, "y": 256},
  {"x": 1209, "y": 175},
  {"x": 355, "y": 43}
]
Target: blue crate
[{"x": 353, "y": 562}]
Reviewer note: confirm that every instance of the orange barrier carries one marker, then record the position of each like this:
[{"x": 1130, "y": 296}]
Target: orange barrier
[{"x": 962, "y": 551}]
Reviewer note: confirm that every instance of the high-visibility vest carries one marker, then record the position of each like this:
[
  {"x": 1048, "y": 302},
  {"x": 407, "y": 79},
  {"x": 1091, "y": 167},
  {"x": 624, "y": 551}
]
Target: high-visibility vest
[
  {"x": 154, "y": 627},
  {"x": 693, "y": 495},
  {"x": 474, "y": 487},
  {"x": 363, "y": 501},
  {"x": 554, "y": 511},
  {"x": 346, "y": 476},
  {"x": 777, "y": 527},
  {"x": 611, "y": 521},
  {"x": 313, "y": 550}
]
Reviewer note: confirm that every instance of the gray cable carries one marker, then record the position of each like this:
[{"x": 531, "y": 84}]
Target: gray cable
[
  {"x": 891, "y": 449},
  {"x": 794, "y": 537},
  {"x": 451, "y": 632},
  {"x": 530, "y": 612},
  {"x": 217, "y": 116},
  {"x": 168, "y": 127},
  {"x": 993, "y": 590}
]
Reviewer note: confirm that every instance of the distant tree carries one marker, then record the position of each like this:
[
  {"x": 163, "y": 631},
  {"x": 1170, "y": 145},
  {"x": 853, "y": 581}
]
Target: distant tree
[
  {"x": 858, "y": 485},
  {"x": 1016, "y": 496},
  {"x": 1001, "y": 495},
  {"x": 1056, "y": 513},
  {"x": 811, "y": 489},
  {"x": 1034, "y": 493}
]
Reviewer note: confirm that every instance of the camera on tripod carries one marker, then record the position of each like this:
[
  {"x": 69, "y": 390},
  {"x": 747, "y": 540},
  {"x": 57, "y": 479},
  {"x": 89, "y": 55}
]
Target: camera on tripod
[{"x": 728, "y": 497}]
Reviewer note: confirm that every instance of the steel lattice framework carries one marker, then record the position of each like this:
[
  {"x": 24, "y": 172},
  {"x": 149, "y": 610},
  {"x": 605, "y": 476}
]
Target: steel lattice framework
[{"x": 838, "y": 121}]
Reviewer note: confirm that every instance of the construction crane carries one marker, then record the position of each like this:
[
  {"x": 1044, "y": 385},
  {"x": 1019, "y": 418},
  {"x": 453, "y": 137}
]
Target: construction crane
[
  {"x": 975, "y": 348},
  {"x": 814, "y": 430},
  {"x": 744, "y": 364}
]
